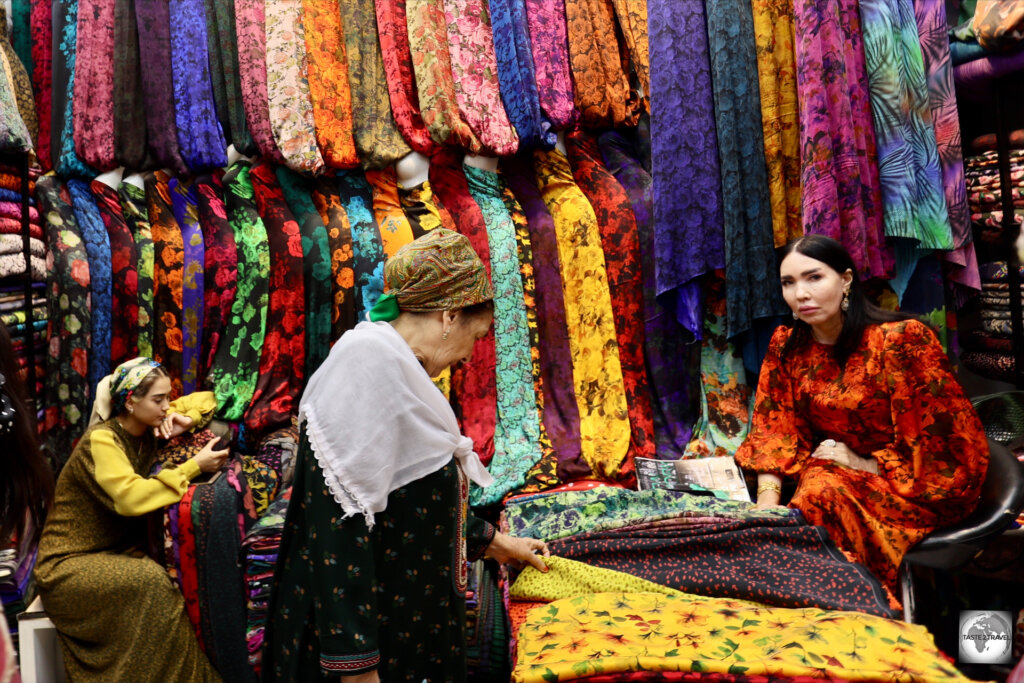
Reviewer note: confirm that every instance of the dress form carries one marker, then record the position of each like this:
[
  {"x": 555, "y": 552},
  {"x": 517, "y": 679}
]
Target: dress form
[
  {"x": 560, "y": 142},
  {"x": 112, "y": 178},
  {"x": 486, "y": 163},
  {"x": 412, "y": 170},
  {"x": 135, "y": 179}
]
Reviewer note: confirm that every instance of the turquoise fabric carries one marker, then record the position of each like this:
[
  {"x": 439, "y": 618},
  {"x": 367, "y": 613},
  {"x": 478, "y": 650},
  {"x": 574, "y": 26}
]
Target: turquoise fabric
[
  {"x": 367, "y": 249},
  {"x": 517, "y": 432}
]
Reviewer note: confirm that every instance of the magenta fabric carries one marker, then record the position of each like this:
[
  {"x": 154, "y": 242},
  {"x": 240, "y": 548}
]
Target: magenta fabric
[
  {"x": 93, "y": 110},
  {"x": 549, "y": 41},
  {"x": 250, "y": 22}
]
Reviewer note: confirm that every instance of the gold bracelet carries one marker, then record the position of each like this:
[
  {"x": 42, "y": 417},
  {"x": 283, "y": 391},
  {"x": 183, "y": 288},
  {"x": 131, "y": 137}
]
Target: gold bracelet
[{"x": 769, "y": 487}]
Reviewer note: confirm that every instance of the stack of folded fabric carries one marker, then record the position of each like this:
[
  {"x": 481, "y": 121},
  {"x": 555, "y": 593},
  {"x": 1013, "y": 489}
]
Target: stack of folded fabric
[
  {"x": 13, "y": 315},
  {"x": 260, "y": 546},
  {"x": 486, "y": 624},
  {"x": 984, "y": 193},
  {"x": 988, "y": 349},
  {"x": 17, "y": 589}
]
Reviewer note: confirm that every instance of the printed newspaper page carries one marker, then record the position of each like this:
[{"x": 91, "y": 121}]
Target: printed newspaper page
[{"x": 716, "y": 474}]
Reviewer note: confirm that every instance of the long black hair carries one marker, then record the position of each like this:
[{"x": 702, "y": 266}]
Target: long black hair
[
  {"x": 860, "y": 313},
  {"x": 26, "y": 479}
]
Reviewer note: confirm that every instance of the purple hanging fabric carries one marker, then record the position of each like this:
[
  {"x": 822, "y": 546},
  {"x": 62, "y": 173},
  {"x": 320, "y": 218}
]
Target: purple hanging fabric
[
  {"x": 672, "y": 365},
  {"x": 561, "y": 416},
  {"x": 550, "y": 48},
  {"x": 154, "y": 21},
  {"x": 838, "y": 156},
  {"x": 184, "y": 204},
  {"x": 200, "y": 137},
  {"x": 688, "y": 222}
]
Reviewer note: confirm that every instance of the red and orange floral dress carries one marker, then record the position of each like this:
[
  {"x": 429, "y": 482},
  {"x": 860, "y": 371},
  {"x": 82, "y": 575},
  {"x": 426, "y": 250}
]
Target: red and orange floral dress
[{"x": 896, "y": 401}]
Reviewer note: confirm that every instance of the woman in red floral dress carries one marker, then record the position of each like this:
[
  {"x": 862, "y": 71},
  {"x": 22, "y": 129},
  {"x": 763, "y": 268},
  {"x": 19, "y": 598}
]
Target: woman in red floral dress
[{"x": 862, "y": 408}]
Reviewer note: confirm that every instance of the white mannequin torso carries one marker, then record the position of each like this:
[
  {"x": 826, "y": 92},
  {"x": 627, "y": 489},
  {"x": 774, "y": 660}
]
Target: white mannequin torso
[
  {"x": 482, "y": 162},
  {"x": 111, "y": 178},
  {"x": 413, "y": 169}
]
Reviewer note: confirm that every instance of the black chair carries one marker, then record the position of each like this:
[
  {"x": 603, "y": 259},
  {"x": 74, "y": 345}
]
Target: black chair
[{"x": 951, "y": 547}]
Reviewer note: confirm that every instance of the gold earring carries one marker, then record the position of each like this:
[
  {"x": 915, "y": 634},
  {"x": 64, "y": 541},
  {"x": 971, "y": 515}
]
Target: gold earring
[
  {"x": 444, "y": 337},
  {"x": 795, "y": 316},
  {"x": 845, "y": 305}
]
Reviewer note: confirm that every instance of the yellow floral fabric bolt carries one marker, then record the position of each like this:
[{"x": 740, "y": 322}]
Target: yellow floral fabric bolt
[
  {"x": 597, "y": 372},
  {"x": 609, "y": 633}
]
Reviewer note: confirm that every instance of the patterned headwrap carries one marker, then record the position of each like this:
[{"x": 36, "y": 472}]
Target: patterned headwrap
[
  {"x": 437, "y": 272},
  {"x": 126, "y": 379}
]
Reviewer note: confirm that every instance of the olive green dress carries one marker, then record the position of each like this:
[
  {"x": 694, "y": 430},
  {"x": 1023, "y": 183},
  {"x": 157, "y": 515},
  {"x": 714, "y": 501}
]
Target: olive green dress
[
  {"x": 348, "y": 599},
  {"x": 118, "y": 616}
]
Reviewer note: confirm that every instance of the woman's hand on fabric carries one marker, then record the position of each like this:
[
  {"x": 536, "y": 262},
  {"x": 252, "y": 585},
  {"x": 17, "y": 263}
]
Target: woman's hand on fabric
[
  {"x": 210, "y": 460},
  {"x": 173, "y": 425},
  {"x": 839, "y": 453},
  {"x": 518, "y": 552}
]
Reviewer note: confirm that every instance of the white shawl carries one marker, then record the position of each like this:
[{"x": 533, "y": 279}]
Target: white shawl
[{"x": 376, "y": 422}]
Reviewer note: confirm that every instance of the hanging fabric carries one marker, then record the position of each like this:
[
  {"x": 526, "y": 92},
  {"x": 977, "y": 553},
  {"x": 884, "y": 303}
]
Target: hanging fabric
[
  {"x": 841, "y": 195},
  {"x": 600, "y": 66},
  {"x": 283, "y": 359},
  {"x": 620, "y": 243},
  {"x": 475, "y": 71},
  {"x": 749, "y": 243},
  {"x": 913, "y": 204},
  {"x": 236, "y": 364},
  {"x": 224, "y": 45},
  {"x": 220, "y": 266},
  {"x": 42, "y": 75},
  {"x": 561, "y": 416},
  {"x": 377, "y": 138},
  {"x": 435, "y": 84},
  {"x": 200, "y": 137},
  {"x": 20, "y": 82},
  {"x": 97, "y": 246},
  {"x": 124, "y": 263},
  {"x": 136, "y": 215},
  {"x": 218, "y": 85},
  {"x": 549, "y": 44},
  {"x": 69, "y": 312},
  {"x": 932, "y": 30},
  {"x": 422, "y": 209},
  {"x": 339, "y": 234},
  {"x": 397, "y": 55},
  {"x": 250, "y": 29},
  {"x": 688, "y": 230},
  {"x": 596, "y": 369},
  {"x": 517, "y": 429},
  {"x": 291, "y": 109},
  {"x": 21, "y": 33},
  {"x": 129, "y": 110},
  {"x": 632, "y": 16},
  {"x": 394, "y": 227},
  {"x": 511, "y": 36},
  {"x": 670, "y": 360},
  {"x": 14, "y": 135},
  {"x": 316, "y": 267},
  {"x": 62, "y": 141},
  {"x": 367, "y": 249},
  {"x": 93, "y": 109},
  {"x": 154, "y": 24},
  {"x": 780, "y": 118},
  {"x": 193, "y": 282},
  {"x": 168, "y": 262},
  {"x": 328, "y": 82},
  {"x": 477, "y": 394}
]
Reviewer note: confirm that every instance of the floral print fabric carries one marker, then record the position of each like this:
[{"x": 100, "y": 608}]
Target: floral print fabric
[
  {"x": 70, "y": 321},
  {"x": 250, "y": 21},
  {"x": 778, "y": 643},
  {"x": 154, "y": 24},
  {"x": 283, "y": 358},
  {"x": 66, "y": 162},
  {"x": 517, "y": 430},
  {"x": 22, "y": 86},
  {"x": 378, "y": 141},
  {"x": 394, "y": 227},
  {"x": 227, "y": 49},
  {"x": 93, "y": 110},
  {"x": 168, "y": 278},
  {"x": 477, "y": 393},
  {"x": 620, "y": 241},
  {"x": 838, "y": 155},
  {"x": 291, "y": 109},
  {"x": 422, "y": 209},
  {"x": 339, "y": 234},
  {"x": 367, "y": 248},
  {"x": 129, "y": 112},
  {"x": 550, "y": 47},
  {"x": 200, "y": 137},
  {"x": 136, "y": 215},
  {"x": 42, "y": 75},
  {"x": 329, "y": 90},
  {"x": 597, "y": 370},
  {"x": 220, "y": 264},
  {"x": 236, "y": 363},
  {"x": 776, "y": 77},
  {"x": 475, "y": 72},
  {"x": 193, "y": 283},
  {"x": 435, "y": 84},
  {"x": 97, "y": 246},
  {"x": 124, "y": 260},
  {"x": 896, "y": 401}
]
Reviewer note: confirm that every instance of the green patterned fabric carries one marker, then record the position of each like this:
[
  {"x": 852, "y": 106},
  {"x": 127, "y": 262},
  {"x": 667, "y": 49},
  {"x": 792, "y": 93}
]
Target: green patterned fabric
[
  {"x": 133, "y": 206},
  {"x": 236, "y": 366}
]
